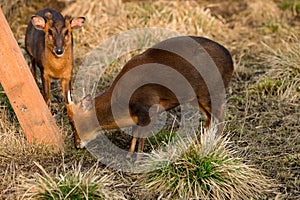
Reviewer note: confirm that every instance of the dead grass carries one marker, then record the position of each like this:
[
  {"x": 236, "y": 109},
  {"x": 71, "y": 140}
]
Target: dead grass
[
  {"x": 263, "y": 98},
  {"x": 16, "y": 155}
]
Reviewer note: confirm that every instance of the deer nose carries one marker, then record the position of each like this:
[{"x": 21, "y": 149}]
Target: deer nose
[
  {"x": 80, "y": 145},
  {"x": 59, "y": 51}
]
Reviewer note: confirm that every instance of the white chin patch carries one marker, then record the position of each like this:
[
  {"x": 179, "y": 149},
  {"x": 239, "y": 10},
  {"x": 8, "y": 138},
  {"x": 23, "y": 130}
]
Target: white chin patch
[{"x": 59, "y": 56}]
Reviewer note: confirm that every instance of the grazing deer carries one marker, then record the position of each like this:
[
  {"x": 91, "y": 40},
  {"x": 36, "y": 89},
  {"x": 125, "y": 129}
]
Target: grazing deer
[
  {"x": 155, "y": 78},
  {"x": 49, "y": 43}
]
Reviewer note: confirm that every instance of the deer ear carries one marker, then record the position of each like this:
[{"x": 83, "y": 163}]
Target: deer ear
[
  {"x": 87, "y": 102},
  {"x": 77, "y": 22},
  {"x": 38, "y": 22}
]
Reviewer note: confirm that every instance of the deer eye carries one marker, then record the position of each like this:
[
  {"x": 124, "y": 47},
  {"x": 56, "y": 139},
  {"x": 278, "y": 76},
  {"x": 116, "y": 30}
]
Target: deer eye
[{"x": 66, "y": 34}]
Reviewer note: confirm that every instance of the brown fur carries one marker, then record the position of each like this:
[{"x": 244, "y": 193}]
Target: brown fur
[
  {"x": 49, "y": 43},
  {"x": 150, "y": 99}
]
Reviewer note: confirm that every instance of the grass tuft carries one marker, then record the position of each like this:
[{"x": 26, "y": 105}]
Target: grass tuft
[
  {"x": 285, "y": 73},
  {"x": 72, "y": 183},
  {"x": 208, "y": 169}
]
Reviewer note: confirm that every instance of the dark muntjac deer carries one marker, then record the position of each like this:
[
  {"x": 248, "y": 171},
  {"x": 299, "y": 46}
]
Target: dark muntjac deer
[
  {"x": 49, "y": 43},
  {"x": 204, "y": 64}
]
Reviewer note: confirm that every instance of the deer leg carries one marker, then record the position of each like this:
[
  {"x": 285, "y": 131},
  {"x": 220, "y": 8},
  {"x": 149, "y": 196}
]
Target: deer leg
[
  {"x": 207, "y": 112},
  {"x": 207, "y": 121},
  {"x": 218, "y": 118},
  {"x": 46, "y": 81},
  {"x": 220, "y": 121},
  {"x": 66, "y": 86},
  {"x": 33, "y": 68},
  {"x": 140, "y": 148},
  {"x": 144, "y": 131},
  {"x": 47, "y": 86},
  {"x": 77, "y": 140},
  {"x": 135, "y": 135}
]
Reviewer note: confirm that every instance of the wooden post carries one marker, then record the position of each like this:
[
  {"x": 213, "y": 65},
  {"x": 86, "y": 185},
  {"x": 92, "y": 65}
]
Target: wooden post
[{"x": 15, "y": 76}]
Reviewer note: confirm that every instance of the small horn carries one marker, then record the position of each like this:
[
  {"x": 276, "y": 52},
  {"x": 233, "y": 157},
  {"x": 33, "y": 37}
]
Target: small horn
[
  {"x": 83, "y": 92},
  {"x": 69, "y": 98},
  {"x": 48, "y": 16}
]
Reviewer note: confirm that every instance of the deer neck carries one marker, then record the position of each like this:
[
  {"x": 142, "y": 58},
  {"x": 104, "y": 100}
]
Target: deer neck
[{"x": 112, "y": 115}]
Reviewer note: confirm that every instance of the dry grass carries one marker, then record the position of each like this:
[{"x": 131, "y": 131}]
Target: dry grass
[
  {"x": 263, "y": 98},
  {"x": 16, "y": 155}
]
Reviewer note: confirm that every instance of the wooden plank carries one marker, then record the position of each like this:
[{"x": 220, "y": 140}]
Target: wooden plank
[{"x": 15, "y": 76}]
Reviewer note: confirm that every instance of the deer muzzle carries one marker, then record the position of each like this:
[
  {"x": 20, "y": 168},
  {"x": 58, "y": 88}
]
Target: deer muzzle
[{"x": 58, "y": 51}]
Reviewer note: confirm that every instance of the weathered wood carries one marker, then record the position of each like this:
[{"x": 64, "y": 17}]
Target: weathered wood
[{"x": 32, "y": 112}]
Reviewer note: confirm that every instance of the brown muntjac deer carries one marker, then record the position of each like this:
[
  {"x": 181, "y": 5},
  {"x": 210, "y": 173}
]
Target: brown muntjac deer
[
  {"x": 156, "y": 83},
  {"x": 49, "y": 42}
]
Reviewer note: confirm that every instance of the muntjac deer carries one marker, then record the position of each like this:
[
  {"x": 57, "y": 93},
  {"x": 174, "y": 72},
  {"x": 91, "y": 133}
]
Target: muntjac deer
[
  {"x": 204, "y": 64},
  {"x": 49, "y": 43}
]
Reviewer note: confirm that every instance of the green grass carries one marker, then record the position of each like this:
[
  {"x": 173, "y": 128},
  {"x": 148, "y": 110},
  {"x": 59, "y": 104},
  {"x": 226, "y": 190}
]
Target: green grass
[
  {"x": 161, "y": 138},
  {"x": 269, "y": 86},
  {"x": 293, "y": 6}
]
